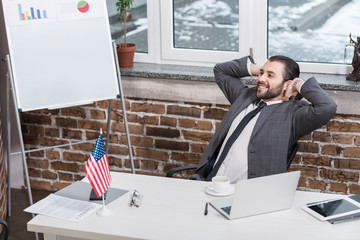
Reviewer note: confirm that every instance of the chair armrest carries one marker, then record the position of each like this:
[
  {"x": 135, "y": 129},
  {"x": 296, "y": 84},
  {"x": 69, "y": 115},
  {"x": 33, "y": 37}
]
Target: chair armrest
[{"x": 171, "y": 172}]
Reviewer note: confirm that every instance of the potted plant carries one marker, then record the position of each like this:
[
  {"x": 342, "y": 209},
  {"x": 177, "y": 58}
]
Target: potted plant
[{"x": 125, "y": 50}]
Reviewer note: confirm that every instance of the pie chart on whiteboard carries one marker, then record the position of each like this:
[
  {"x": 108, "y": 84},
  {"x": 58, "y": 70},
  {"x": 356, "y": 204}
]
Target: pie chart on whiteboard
[{"x": 83, "y": 6}]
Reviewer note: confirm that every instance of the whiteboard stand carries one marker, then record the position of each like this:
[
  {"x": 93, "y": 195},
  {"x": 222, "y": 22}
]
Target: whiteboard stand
[
  {"x": 17, "y": 116},
  {"x": 123, "y": 107}
]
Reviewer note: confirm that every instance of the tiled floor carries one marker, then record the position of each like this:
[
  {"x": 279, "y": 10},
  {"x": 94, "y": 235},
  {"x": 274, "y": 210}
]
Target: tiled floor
[{"x": 19, "y": 218}]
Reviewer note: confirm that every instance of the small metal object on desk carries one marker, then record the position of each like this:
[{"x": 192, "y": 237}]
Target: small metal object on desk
[{"x": 136, "y": 199}]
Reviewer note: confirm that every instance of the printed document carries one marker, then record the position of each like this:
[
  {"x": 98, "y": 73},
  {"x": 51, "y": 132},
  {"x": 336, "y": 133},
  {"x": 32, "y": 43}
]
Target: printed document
[{"x": 64, "y": 208}]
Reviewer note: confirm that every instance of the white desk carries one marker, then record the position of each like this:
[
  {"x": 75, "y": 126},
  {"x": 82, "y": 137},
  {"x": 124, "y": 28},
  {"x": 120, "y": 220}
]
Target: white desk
[{"x": 174, "y": 209}]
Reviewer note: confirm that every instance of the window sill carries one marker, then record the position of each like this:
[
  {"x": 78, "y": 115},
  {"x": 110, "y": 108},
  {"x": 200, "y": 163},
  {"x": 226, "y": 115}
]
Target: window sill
[{"x": 190, "y": 73}]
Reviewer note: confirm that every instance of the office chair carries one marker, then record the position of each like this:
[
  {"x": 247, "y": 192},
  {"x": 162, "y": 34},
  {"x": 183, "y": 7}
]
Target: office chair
[
  {"x": 6, "y": 228},
  {"x": 291, "y": 156}
]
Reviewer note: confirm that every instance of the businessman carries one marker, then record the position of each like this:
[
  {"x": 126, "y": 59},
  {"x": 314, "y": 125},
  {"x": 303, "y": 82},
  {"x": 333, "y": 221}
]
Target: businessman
[{"x": 258, "y": 135}]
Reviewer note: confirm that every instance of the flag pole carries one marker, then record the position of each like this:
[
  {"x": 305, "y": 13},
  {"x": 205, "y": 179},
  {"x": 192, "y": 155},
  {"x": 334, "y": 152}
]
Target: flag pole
[{"x": 103, "y": 211}]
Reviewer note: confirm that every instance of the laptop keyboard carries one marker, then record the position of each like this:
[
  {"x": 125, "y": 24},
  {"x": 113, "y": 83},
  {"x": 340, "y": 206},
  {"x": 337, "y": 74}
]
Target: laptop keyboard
[{"x": 227, "y": 209}]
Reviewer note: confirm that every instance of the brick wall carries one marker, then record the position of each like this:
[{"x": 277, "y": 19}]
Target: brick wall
[
  {"x": 3, "y": 177},
  {"x": 166, "y": 134}
]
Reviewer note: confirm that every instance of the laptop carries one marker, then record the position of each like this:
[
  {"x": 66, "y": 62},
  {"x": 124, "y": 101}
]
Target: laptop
[{"x": 259, "y": 195}]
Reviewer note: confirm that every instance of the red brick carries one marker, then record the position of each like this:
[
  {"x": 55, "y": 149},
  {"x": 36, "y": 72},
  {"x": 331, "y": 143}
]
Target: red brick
[
  {"x": 116, "y": 104},
  {"x": 115, "y": 161},
  {"x": 74, "y": 112},
  {"x": 133, "y": 129},
  {"x": 147, "y": 107},
  {"x": 152, "y": 154},
  {"x": 65, "y": 177},
  {"x": 118, "y": 150},
  {"x": 190, "y": 158},
  {"x": 343, "y": 139},
  {"x": 140, "y": 141},
  {"x": 87, "y": 147},
  {"x": 315, "y": 184},
  {"x": 172, "y": 145},
  {"x": 302, "y": 182},
  {"x": 149, "y": 165},
  {"x": 66, "y": 122},
  {"x": 352, "y": 152},
  {"x": 357, "y": 140},
  {"x": 339, "y": 175},
  {"x": 97, "y": 114},
  {"x": 336, "y": 126},
  {"x": 354, "y": 189},
  {"x": 52, "y": 155},
  {"x": 52, "y": 132},
  {"x": 49, "y": 175},
  {"x": 136, "y": 164},
  {"x": 52, "y": 142},
  {"x": 347, "y": 164},
  {"x": 322, "y": 136},
  {"x": 93, "y": 125},
  {"x": 34, "y": 172},
  {"x": 162, "y": 132},
  {"x": 35, "y": 130},
  {"x": 37, "y": 163},
  {"x": 72, "y": 134},
  {"x": 214, "y": 113},
  {"x": 306, "y": 171},
  {"x": 37, "y": 184},
  {"x": 338, "y": 187},
  {"x": 306, "y": 137},
  {"x": 331, "y": 149},
  {"x": 198, "y": 148},
  {"x": 186, "y": 123},
  {"x": 36, "y": 119},
  {"x": 168, "y": 121},
  {"x": 60, "y": 185},
  {"x": 31, "y": 140},
  {"x": 197, "y": 136},
  {"x": 184, "y": 111},
  {"x": 203, "y": 125},
  {"x": 316, "y": 160},
  {"x": 152, "y": 120},
  {"x": 36, "y": 154},
  {"x": 308, "y": 147},
  {"x": 73, "y": 156},
  {"x": 70, "y": 167},
  {"x": 297, "y": 159}
]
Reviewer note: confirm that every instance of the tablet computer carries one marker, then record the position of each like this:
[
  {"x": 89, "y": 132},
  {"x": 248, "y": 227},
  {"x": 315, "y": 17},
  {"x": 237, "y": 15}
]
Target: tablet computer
[{"x": 334, "y": 208}]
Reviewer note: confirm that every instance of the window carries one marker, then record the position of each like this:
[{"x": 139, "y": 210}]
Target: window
[
  {"x": 204, "y": 32},
  {"x": 313, "y": 31},
  {"x": 136, "y": 28}
]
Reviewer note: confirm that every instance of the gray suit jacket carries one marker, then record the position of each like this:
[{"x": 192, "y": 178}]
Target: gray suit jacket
[{"x": 278, "y": 127}]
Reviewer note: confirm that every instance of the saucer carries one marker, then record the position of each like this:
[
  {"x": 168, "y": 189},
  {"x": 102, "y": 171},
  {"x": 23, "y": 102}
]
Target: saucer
[{"x": 209, "y": 190}]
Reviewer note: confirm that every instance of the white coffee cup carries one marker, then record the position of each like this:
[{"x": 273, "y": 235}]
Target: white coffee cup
[{"x": 220, "y": 184}]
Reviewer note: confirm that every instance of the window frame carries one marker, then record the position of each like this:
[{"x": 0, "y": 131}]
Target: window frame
[{"x": 253, "y": 20}]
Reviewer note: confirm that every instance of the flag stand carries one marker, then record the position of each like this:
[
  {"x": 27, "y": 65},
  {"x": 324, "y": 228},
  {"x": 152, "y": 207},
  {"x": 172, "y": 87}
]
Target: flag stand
[{"x": 104, "y": 211}]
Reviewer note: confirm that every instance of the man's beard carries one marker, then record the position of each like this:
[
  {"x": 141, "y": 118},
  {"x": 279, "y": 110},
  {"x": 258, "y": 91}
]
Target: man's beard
[{"x": 271, "y": 92}]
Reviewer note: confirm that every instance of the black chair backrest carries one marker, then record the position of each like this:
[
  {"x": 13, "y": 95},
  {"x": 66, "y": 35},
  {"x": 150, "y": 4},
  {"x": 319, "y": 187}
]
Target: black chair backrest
[{"x": 6, "y": 228}]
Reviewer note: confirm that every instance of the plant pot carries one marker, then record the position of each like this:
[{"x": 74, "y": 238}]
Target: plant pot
[{"x": 126, "y": 52}]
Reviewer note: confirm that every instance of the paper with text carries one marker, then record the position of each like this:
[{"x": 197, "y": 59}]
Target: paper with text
[{"x": 63, "y": 208}]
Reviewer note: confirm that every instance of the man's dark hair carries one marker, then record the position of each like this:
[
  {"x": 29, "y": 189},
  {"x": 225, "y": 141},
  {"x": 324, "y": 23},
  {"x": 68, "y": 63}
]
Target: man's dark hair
[{"x": 292, "y": 69}]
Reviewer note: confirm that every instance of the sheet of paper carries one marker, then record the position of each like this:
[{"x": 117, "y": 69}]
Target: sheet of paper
[{"x": 63, "y": 208}]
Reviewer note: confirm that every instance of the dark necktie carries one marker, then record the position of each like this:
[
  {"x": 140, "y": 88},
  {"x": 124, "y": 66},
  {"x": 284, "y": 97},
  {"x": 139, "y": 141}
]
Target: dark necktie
[{"x": 232, "y": 139}]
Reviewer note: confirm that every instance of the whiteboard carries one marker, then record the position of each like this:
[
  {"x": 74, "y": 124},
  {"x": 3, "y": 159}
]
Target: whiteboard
[{"x": 61, "y": 52}]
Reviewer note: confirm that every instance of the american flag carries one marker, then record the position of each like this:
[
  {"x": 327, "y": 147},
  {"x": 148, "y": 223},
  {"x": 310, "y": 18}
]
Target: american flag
[{"x": 97, "y": 168}]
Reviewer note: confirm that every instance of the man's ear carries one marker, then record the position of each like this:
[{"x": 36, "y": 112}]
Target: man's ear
[{"x": 286, "y": 85}]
